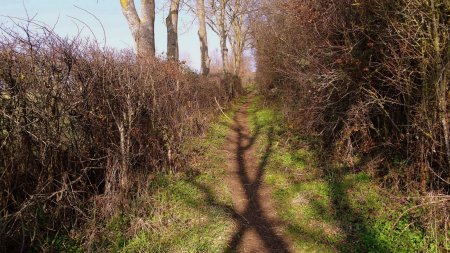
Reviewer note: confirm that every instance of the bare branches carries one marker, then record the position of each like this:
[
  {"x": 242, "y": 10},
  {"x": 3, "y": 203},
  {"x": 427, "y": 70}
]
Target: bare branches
[
  {"x": 78, "y": 121},
  {"x": 363, "y": 75},
  {"x": 371, "y": 79}
]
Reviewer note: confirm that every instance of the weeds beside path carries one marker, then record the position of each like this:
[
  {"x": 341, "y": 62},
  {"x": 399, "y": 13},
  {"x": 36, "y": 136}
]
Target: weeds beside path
[
  {"x": 324, "y": 206},
  {"x": 254, "y": 186},
  {"x": 187, "y": 211}
]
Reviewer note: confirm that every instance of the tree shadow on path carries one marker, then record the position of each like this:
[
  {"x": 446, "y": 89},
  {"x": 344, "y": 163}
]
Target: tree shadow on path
[{"x": 256, "y": 214}]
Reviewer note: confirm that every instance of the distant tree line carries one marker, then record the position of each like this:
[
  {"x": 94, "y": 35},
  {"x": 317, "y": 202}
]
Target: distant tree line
[{"x": 229, "y": 19}]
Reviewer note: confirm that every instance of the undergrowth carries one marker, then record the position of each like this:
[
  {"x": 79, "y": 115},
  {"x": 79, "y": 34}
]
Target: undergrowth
[
  {"x": 327, "y": 207},
  {"x": 181, "y": 211},
  {"x": 87, "y": 129},
  {"x": 324, "y": 206}
]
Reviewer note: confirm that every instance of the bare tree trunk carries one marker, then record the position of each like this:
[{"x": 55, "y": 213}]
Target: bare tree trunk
[
  {"x": 237, "y": 40},
  {"x": 141, "y": 29},
  {"x": 235, "y": 37},
  {"x": 239, "y": 31},
  {"x": 443, "y": 110},
  {"x": 124, "y": 153},
  {"x": 205, "y": 61},
  {"x": 223, "y": 36},
  {"x": 220, "y": 25},
  {"x": 148, "y": 24},
  {"x": 237, "y": 63},
  {"x": 172, "y": 31},
  {"x": 440, "y": 79},
  {"x": 224, "y": 52}
]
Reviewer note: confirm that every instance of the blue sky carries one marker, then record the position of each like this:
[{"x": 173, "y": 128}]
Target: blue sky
[{"x": 64, "y": 13}]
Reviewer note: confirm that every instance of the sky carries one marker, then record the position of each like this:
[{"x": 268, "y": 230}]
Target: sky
[{"x": 68, "y": 16}]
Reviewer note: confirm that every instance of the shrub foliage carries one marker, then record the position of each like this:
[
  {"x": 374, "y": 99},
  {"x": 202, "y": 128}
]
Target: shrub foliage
[
  {"x": 80, "y": 125},
  {"x": 371, "y": 79}
]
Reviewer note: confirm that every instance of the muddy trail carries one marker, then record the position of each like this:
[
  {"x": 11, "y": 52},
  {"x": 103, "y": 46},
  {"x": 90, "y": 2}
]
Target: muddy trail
[{"x": 258, "y": 227}]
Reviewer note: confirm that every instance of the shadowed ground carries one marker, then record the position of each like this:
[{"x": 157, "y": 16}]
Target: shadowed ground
[{"x": 258, "y": 228}]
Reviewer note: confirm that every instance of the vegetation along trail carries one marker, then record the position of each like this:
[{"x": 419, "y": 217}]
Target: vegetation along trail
[
  {"x": 300, "y": 126},
  {"x": 285, "y": 198}
]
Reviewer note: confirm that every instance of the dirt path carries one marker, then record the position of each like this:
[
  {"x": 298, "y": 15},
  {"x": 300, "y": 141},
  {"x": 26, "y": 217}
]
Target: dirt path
[{"x": 258, "y": 228}]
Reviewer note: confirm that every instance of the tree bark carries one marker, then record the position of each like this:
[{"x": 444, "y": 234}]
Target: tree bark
[
  {"x": 237, "y": 40},
  {"x": 148, "y": 24},
  {"x": 223, "y": 36},
  {"x": 239, "y": 31},
  {"x": 205, "y": 61},
  {"x": 224, "y": 52},
  {"x": 220, "y": 25},
  {"x": 440, "y": 79},
  {"x": 142, "y": 29},
  {"x": 172, "y": 31}
]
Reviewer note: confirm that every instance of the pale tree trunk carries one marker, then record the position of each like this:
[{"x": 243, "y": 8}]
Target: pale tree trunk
[
  {"x": 443, "y": 109},
  {"x": 172, "y": 31},
  {"x": 237, "y": 43},
  {"x": 239, "y": 33},
  {"x": 223, "y": 36},
  {"x": 205, "y": 61},
  {"x": 224, "y": 52},
  {"x": 148, "y": 24},
  {"x": 235, "y": 38},
  {"x": 221, "y": 27},
  {"x": 237, "y": 62},
  {"x": 142, "y": 29},
  {"x": 118, "y": 174}
]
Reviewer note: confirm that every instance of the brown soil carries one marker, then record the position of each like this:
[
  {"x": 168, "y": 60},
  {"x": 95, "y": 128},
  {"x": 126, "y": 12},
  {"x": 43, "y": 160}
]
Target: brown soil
[{"x": 258, "y": 228}]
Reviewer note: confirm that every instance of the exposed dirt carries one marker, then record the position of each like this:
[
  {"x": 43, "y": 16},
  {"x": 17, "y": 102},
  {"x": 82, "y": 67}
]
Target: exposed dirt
[{"x": 258, "y": 228}]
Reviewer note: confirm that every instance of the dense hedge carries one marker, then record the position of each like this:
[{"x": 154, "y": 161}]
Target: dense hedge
[
  {"x": 370, "y": 77},
  {"x": 371, "y": 80},
  {"x": 80, "y": 125}
]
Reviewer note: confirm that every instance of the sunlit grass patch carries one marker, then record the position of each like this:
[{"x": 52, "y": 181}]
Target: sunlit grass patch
[
  {"x": 302, "y": 202},
  {"x": 329, "y": 209},
  {"x": 182, "y": 212}
]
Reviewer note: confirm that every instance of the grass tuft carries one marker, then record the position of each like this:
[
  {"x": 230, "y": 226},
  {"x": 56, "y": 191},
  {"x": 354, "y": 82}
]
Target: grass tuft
[
  {"x": 329, "y": 208},
  {"x": 181, "y": 212}
]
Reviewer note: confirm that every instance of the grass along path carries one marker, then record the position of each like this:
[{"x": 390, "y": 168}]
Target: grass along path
[
  {"x": 329, "y": 207},
  {"x": 186, "y": 211},
  {"x": 252, "y": 186}
]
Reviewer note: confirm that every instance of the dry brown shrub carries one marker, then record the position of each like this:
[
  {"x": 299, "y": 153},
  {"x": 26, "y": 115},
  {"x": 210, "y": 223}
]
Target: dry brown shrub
[
  {"x": 364, "y": 75},
  {"x": 368, "y": 77},
  {"x": 84, "y": 127}
]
